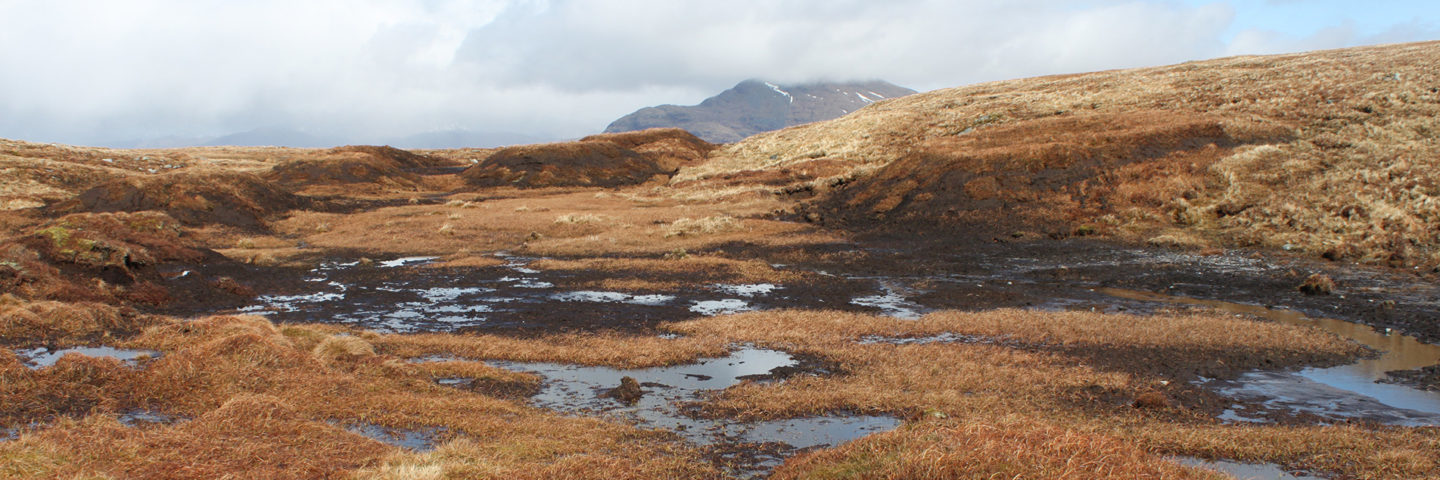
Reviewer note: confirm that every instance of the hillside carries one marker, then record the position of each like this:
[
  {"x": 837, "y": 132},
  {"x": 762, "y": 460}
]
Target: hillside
[
  {"x": 755, "y": 106},
  {"x": 1333, "y": 153}
]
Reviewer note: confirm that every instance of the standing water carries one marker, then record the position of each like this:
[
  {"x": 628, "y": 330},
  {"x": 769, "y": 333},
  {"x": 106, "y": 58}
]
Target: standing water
[{"x": 1346, "y": 391}]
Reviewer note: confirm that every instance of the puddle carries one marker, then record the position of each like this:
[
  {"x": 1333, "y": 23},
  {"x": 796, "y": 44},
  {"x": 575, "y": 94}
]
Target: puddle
[
  {"x": 422, "y": 440},
  {"x": 746, "y": 290},
  {"x": 1347, "y": 391},
  {"x": 8, "y": 434},
  {"x": 406, "y": 262},
  {"x": 138, "y": 418},
  {"x": 612, "y": 297},
  {"x": 711, "y": 308},
  {"x": 946, "y": 337},
  {"x": 1244, "y": 471},
  {"x": 37, "y": 358},
  {"x": 893, "y": 302},
  {"x": 580, "y": 390}
]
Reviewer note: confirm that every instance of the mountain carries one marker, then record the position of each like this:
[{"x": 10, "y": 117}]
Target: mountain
[{"x": 755, "y": 106}]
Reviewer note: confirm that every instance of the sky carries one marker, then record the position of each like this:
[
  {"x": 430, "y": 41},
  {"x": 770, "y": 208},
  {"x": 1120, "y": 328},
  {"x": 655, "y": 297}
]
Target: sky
[{"x": 107, "y": 72}]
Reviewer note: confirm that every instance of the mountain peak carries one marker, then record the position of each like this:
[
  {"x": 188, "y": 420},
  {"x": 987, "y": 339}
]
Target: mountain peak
[{"x": 758, "y": 105}]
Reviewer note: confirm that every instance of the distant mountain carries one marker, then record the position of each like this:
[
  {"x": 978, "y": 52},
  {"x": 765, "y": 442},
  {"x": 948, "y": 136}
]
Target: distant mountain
[
  {"x": 272, "y": 136},
  {"x": 755, "y": 106},
  {"x": 465, "y": 139}
]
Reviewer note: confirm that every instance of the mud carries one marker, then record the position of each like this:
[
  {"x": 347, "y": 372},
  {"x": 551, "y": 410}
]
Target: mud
[
  {"x": 409, "y": 295},
  {"x": 510, "y": 390},
  {"x": 1427, "y": 378}
]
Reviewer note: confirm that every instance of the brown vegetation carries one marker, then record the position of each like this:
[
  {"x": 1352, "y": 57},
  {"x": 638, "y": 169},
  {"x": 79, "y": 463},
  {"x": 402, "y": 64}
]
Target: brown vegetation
[
  {"x": 1026, "y": 386},
  {"x": 61, "y": 324},
  {"x": 607, "y": 160},
  {"x": 1045, "y": 172},
  {"x": 377, "y": 168},
  {"x": 96, "y": 257},
  {"x": 1317, "y": 284},
  {"x": 670, "y": 148},
  {"x": 226, "y": 198},
  {"x": 980, "y": 449},
  {"x": 269, "y": 402}
]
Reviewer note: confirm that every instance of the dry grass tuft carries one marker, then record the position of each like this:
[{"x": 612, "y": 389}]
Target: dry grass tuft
[
  {"x": 1317, "y": 284},
  {"x": 703, "y": 226},
  {"x": 342, "y": 348}
]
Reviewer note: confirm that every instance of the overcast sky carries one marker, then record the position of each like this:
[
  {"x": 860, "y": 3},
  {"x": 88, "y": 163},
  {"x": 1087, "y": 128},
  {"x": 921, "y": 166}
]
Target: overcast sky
[{"x": 105, "y": 71}]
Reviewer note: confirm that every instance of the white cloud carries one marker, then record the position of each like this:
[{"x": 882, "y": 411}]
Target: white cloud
[{"x": 94, "y": 71}]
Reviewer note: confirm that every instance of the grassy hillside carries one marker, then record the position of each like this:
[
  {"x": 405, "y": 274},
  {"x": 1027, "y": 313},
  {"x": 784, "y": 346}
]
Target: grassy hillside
[{"x": 1333, "y": 153}]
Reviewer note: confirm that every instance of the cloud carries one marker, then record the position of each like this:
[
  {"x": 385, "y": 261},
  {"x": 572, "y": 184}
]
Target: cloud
[{"x": 93, "y": 71}]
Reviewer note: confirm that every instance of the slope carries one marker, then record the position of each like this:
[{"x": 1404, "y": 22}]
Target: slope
[{"x": 1333, "y": 153}]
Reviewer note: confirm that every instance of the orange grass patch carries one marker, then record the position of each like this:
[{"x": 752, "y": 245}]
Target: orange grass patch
[
  {"x": 67, "y": 324},
  {"x": 610, "y": 349},
  {"x": 548, "y": 222}
]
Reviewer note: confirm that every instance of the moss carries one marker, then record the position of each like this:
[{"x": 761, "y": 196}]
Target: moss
[{"x": 59, "y": 235}]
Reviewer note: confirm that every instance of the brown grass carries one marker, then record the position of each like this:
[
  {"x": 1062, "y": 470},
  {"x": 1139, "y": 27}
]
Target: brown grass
[
  {"x": 1010, "y": 448},
  {"x": 212, "y": 197},
  {"x": 353, "y": 170},
  {"x": 265, "y": 399},
  {"x": 607, "y": 160},
  {"x": 616, "y": 350},
  {"x": 545, "y": 223},
  {"x": 670, "y": 148},
  {"x": 600, "y": 164},
  {"x": 1041, "y": 399},
  {"x": 67, "y": 324}
]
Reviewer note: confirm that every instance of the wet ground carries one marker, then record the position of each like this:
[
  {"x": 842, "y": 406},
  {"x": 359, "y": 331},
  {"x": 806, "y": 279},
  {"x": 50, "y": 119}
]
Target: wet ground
[
  {"x": 1245, "y": 471},
  {"x": 409, "y": 295},
  {"x": 41, "y": 357},
  {"x": 666, "y": 396},
  {"x": 1391, "y": 312}
]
